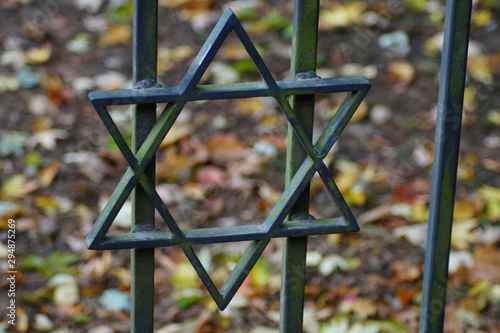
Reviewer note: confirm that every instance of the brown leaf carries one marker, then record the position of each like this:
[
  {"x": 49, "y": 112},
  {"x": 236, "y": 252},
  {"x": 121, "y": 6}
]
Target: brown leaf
[
  {"x": 376, "y": 214},
  {"x": 56, "y": 91},
  {"x": 175, "y": 134},
  {"x": 213, "y": 207},
  {"x": 417, "y": 190},
  {"x": 211, "y": 175},
  {"x": 404, "y": 272},
  {"x": 226, "y": 147},
  {"x": 173, "y": 166},
  {"x": 486, "y": 263}
]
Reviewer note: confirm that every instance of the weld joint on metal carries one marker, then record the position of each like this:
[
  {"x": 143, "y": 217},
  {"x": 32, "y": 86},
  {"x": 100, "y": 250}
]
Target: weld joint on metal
[
  {"x": 147, "y": 84},
  {"x": 320, "y": 154},
  {"x": 307, "y": 76}
]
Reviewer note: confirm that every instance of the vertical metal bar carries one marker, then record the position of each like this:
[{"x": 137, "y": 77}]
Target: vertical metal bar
[
  {"x": 304, "y": 51},
  {"x": 444, "y": 171},
  {"x": 144, "y": 117}
]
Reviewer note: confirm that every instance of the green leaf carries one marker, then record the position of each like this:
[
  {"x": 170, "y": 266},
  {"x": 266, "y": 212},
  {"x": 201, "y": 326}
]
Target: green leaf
[{"x": 188, "y": 297}]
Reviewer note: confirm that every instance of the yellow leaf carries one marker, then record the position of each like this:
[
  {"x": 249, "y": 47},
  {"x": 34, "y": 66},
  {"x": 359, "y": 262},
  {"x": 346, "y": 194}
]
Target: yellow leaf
[
  {"x": 420, "y": 212},
  {"x": 469, "y": 99},
  {"x": 461, "y": 235},
  {"x": 182, "y": 52},
  {"x": 479, "y": 68},
  {"x": 260, "y": 274},
  {"x": 173, "y": 3},
  {"x": 18, "y": 186},
  {"x": 46, "y": 176},
  {"x": 339, "y": 15},
  {"x": 356, "y": 195},
  {"x": 492, "y": 197},
  {"x": 175, "y": 134},
  {"x": 46, "y": 203},
  {"x": 269, "y": 194},
  {"x": 467, "y": 208},
  {"x": 38, "y": 55},
  {"x": 402, "y": 71},
  {"x": 185, "y": 276},
  {"x": 336, "y": 16},
  {"x": 361, "y": 112},
  {"x": 434, "y": 44},
  {"x": 361, "y": 307},
  {"x": 22, "y": 322},
  {"x": 494, "y": 117},
  {"x": 481, "y": 17},
  {"x": 355, "y": 11},
  {"x": 116, "y": 35}
]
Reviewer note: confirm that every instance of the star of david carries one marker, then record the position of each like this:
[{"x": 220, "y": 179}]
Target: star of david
[{"x": 275, "y": 224}]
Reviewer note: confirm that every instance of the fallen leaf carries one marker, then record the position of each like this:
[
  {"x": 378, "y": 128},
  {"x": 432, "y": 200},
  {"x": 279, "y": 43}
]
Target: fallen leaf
[
  {"x": 404, "y": 272},
  {"x": 115, "y": 300},
  {"x": 47, "y": 174},
  {"x": 173, "y": 165},
  {"x": 18, "y": 186},
  {"x": 479, "y": 68},
  {"x": 491, "y": 195},
  {"x": 22, "y": 320},
  {"x": 175, "y": 134},
  {"x": 405, "y": 296},
  {"x": 486, "y": 259},
  {"x": 223, "y": 73},
  {"x": 8, "y": 83},
  {"x": 402, "y": 71},
  {"x": 38, "y": 55},
  {"x": 362, "y": 308},
  {"x": 415, "y": 234},
  {"x": 43, "y": 323},
  {"x": 47, "y": 139},
  {"x": 226, "y": 147},
  {"x": 13, "y": 143},
  {"x": 116, "y": 35},
  {"x": 211, "y": 175},
  {"x": 341, "y": 15},
  {"x": 79, "y": 44},
  {"x": 109, "y": 80},
  {"x": 66, "y": 290},
  {"x": 269, "y": 194}
]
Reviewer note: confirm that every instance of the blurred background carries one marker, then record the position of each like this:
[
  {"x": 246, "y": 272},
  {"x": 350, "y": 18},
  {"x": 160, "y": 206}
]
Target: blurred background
[{"x": 223, "y": 164}]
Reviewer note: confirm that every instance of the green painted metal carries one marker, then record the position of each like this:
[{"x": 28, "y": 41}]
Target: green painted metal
[
  {"x": 304, "y": 55},
  {"x": 444, "y": 171},
  {"x": 143, "y": 211},
  {"x": 289, "y": 218},
  {"x": 305, "y": 159}
]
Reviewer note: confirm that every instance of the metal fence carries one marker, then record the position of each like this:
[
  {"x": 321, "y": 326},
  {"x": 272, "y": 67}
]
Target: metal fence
[{"x": 289, "y": 219}]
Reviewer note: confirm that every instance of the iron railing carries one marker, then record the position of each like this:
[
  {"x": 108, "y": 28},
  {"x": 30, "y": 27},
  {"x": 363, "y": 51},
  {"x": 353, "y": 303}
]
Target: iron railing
[{"x": 290, "y": 217}]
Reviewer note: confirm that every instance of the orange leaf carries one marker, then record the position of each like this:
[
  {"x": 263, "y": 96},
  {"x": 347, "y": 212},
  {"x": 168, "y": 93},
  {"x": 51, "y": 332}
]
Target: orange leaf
[{"x": 405, "y": 296}]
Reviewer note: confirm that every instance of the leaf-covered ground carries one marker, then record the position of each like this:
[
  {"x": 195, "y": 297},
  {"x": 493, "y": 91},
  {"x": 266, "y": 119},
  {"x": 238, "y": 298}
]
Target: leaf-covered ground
[{"x": 223, "y": 164}]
